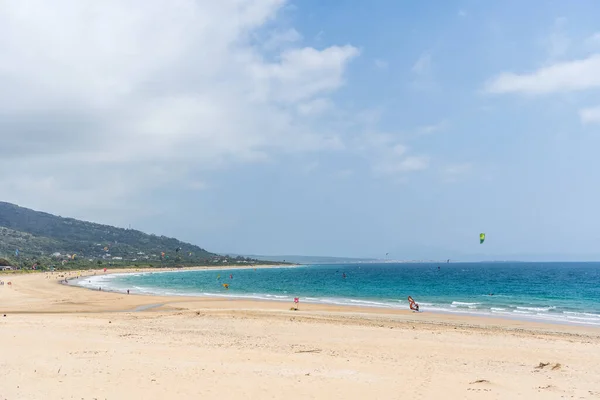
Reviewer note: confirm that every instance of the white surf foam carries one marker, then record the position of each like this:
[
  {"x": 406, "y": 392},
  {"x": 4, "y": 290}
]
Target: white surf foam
[{"x": 538, "y": 313}]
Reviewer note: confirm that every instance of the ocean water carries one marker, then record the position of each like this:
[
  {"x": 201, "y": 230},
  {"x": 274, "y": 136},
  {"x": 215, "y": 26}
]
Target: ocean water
[{"x": 551, "y": 292}]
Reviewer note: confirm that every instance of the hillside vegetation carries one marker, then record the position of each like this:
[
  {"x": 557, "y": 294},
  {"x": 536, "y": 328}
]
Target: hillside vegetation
[{"x": 50, "y": 240}]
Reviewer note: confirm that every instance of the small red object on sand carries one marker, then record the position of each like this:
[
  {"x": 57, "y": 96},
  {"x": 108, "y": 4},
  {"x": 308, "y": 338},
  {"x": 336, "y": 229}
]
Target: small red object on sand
[{"x": 296, "y": 300}]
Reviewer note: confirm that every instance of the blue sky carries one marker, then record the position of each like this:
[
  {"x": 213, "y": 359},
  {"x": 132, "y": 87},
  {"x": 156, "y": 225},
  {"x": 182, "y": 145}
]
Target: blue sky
[{"x": 306, "y": 127}]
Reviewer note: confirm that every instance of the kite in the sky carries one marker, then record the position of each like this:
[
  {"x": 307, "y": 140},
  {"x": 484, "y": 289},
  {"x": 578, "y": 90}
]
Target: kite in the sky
[{"x": 481, "y": 238}]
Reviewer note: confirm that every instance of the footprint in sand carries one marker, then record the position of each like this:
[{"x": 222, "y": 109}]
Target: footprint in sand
[
  {"x": 547, "y": 387},
  {"x": 480, "y": 382},
  {"x": 550, "y": 388},
  {"x": 554, "y": 367}
]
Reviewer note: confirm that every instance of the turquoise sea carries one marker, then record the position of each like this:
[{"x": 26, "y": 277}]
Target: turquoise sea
[{"x": 552, "y": 292}]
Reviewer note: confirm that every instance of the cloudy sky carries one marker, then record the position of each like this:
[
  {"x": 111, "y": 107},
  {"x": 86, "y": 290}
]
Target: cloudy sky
[{"x": 347, "y": 128}]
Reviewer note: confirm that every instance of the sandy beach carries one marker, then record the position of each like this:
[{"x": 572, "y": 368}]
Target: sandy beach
[{"x": 65, "y": 342}]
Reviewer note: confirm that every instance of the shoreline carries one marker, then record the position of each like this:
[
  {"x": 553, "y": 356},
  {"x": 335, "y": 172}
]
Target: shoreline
[
  {"x": 379, "y": 309},
  {"x": 92, "y": 301}
]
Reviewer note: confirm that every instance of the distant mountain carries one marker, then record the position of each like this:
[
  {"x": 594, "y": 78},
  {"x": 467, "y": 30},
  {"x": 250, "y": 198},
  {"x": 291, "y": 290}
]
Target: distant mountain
[
  {"x": 309, "y": 259},
  {"x": 37, "y": 235}
]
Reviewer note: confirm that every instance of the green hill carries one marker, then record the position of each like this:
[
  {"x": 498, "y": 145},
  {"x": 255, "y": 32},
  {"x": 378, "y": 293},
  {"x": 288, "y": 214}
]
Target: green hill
[{"x": 40, "y": 237}]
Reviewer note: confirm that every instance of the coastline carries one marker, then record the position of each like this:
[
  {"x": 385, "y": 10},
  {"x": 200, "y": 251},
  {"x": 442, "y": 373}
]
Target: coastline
[
  {"x": 48, "y": 295},
  {"x": 153, "y": 347},
  {"x": 340, "y": 304}
]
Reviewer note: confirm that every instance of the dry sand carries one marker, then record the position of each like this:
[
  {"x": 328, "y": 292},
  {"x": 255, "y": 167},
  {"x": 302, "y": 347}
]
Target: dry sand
[{"x": 62, "y": 342}]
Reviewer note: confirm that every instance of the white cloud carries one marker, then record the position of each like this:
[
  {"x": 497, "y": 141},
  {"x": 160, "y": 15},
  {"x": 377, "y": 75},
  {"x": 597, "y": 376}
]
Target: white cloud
[
  {"x": 590, "y": 115},
  {"x": 67, "y": 189},
  {"x": 454, "y": 172},
  {"x": 302, "y": 73},
  {"x": 560, "y": 77},
  {"x": 422, "y": 65},
  {"x": 381, "y": 64},
  {"x": 402, "y": 165},
  {"x": 455, "y": 169},
  {"x": 197, "y": 185},
  {"x": 387, "y": 155},
  {"x": 462, "y": 13},
  {"x": 279, "y": 39},
  {"x": 104, "y": 90},
  {"x": 316, "y": 106},
  {"x": 377, "y": 141},
  {"x": 414, "y": 163},
  {"x": 427, "y": 129},
  {"x": 423, "y": 79}
]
